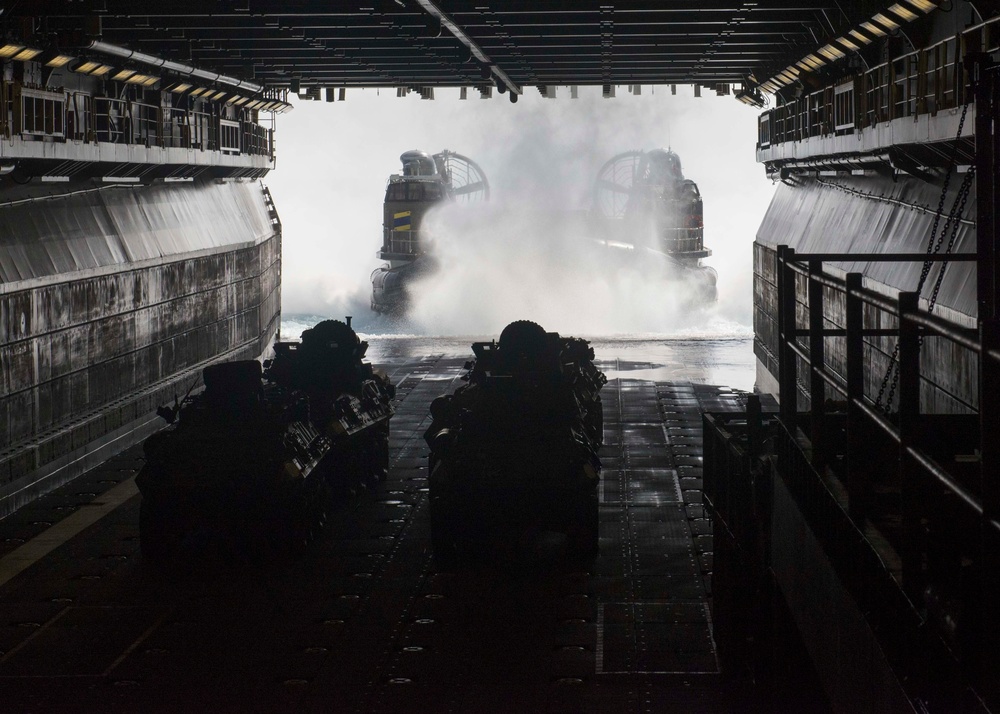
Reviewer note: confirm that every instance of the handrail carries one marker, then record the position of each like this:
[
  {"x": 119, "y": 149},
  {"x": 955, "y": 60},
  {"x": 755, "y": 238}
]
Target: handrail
[
  {"x": 924, "y": 81},
  {"x": 806, "y": 264},
  {"x": 72, "y": 115}
]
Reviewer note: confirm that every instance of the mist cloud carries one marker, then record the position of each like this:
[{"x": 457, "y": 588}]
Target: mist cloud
[{"x": 513, "y": 258}]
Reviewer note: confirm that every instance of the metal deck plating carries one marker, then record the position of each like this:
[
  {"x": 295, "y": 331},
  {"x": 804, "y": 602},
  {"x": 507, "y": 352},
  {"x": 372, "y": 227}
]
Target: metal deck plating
[{"x": 367, "y": 622}]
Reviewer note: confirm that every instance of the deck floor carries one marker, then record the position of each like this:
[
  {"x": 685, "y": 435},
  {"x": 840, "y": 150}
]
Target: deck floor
[{"x": 366, "y": 622}]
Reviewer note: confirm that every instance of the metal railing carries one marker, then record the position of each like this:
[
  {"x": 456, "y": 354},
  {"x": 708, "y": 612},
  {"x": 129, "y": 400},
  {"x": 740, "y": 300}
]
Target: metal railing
[
  {"x": 401, "y": 242},
  {"x": 922, "y": 82},
  {"x": 81, "y": 117},
  {"x": 946, "y": 514},
  {"x": 683, "y": 240},
  {"x": 229, "y": 136},
  {"x": 39, "y": 112}
]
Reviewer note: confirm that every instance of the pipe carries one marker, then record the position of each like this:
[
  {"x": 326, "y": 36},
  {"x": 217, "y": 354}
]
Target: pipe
[{"x": 171, "y": 66}]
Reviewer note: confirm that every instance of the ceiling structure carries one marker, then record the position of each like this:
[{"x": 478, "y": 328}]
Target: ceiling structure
[{"x": 510, "y": 44}]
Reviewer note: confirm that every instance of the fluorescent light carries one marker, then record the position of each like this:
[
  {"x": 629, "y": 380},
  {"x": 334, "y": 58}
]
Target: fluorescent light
[
  {"x": 844, "y": 42},
  {"x": 863, "y": 39},
  {"x": 218, "y": 95},
  {"x": 923, "y": 5},
  {"x": 9, "y": 50},
  {"x": 810, "y": 63},
  {"x": 903, "y": 12},
  {"x": 26, "y": 54},
  {"x": 59, "y": 61},
  {"x": 830, "y": 52},
  {"x": 886, "y": 22},
  {"x": 874, "y": 29},
  {"x": 182, "y": 87},
  {"x": 101, "y": 70},
  {"x": 123, "y": 74},
  {"x": 198, "y": 92}
]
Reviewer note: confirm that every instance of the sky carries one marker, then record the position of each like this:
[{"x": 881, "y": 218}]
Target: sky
[{"x": 512, "y": 259}]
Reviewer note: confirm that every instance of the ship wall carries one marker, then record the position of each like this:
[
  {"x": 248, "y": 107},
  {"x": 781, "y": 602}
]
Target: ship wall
[
  {"x": 111, "y": 303},
  {"x": 869, "y": 214}
]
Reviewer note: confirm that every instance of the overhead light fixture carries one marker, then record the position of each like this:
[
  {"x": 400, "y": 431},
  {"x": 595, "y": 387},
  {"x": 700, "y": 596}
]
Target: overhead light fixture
[
  {"x": 197, "y": 92},
  {"x": 903, "y": 12},
  {"x": 863, "y": 39},
  {"x": 122, "y": 75},
  {"x": 874, "y": 29},
  {"x": 751, "y": 96},
  {"x": 94, "y": 69},
  {"x": 60, "y": 60},
  {"x": 830, "y": 52},
  {"x": 924, "y": 6},
  {"x": 810, "y": 63},
  {"x": 26, "y": 54},
  {"x": 886, "y": 22},
  {"x": 218, "y": 95},
  {"x": 241, "y": 101},
  {"x": 143, "y": 79},
  {"x": 181, "y": 87},
  {"x": 9, "y": 50},
  {"x": 844, "y": 42}
]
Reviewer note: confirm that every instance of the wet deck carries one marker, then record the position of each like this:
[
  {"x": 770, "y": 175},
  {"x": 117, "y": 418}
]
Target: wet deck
[{"x": 367, "y": 622}]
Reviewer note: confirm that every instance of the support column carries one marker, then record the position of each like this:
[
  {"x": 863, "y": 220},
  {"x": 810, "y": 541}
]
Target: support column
[
  {"x": 859, "y": 487},
  {"x": 817, "y": 356},
  {"x": 909, "y": 424},
  {"x": 787, "y": 390}
]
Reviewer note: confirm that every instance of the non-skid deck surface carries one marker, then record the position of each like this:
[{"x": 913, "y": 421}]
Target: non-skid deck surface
[{"x": 367, "y": 622}]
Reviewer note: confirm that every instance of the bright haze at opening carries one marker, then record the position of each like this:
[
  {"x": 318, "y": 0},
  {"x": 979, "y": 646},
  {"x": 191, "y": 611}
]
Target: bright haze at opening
[{"x": 520, "y": 256}]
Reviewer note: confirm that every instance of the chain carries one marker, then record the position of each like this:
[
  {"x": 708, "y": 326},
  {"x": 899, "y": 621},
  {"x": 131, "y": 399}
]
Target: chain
[
  {"x": 891, "y": 378},
  {"x": 963, "y": 196},
  {"x": 957, "y": 210}
]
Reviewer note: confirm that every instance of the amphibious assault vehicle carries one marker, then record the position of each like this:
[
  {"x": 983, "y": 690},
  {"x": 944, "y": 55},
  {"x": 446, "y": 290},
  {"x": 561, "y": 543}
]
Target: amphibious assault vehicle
[
  {"x": 514, "y": 452},
  {"x": 252, "y": 465}
]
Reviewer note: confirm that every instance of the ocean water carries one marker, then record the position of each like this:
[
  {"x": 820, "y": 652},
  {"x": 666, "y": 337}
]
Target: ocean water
[{"x": 718, "y": 352}]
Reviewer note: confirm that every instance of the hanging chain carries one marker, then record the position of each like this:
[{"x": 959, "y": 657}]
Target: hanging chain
[
  {"x": 891, "y": 378},
  {"x": 963, "y": 196}
]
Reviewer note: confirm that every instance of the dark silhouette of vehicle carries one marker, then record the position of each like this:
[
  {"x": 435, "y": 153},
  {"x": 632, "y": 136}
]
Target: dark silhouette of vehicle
[
  {"x": 251, "y": 466},
  {"x": 514, "y": 453}
]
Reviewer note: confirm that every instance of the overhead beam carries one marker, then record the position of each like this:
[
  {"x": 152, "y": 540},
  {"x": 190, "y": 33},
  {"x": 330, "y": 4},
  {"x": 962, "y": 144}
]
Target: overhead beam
[{"x": 446, "y": 22}]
